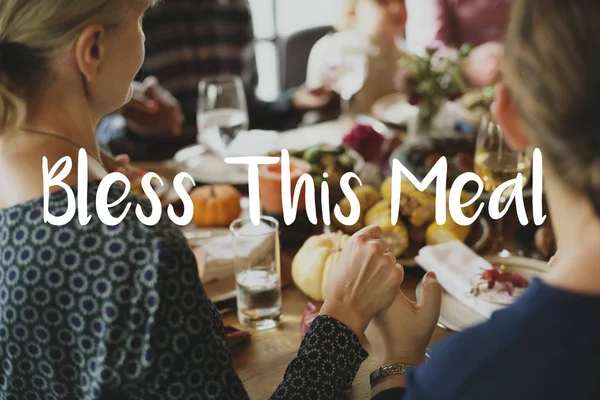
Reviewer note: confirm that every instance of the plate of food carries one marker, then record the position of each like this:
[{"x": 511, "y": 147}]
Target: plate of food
[
  {"x": 416, "y": 226},
  {"x": 421, "y": 155},
  {"x": 394, "y": 110},
  {"x": 508, "y": 279},
  {"x": 323, "y": 162}
]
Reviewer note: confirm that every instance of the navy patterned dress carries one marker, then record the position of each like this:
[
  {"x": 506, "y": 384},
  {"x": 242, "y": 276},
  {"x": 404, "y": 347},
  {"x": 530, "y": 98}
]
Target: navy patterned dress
[{"x": 99, "y": 312}]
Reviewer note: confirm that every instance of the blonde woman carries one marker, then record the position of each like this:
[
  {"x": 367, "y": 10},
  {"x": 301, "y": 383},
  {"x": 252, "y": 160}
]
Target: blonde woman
[
  {"x": 90, "y": 311},
  {"x": 373, "y": 28},
  {"x": 546, "y": 345}
]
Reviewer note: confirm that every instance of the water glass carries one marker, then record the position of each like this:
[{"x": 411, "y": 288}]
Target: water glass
[
  {"x": 222, "y": 110},
  {"x": 257, "y": 272}
]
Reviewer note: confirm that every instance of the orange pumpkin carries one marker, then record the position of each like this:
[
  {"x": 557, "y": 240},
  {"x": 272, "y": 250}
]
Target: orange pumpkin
[{"x": 217, "y": 205}]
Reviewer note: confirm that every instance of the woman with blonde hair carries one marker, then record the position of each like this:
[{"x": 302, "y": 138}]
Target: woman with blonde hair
[
  {"x": 546, "y": 345},
  {"x": 90, "y": 311}
]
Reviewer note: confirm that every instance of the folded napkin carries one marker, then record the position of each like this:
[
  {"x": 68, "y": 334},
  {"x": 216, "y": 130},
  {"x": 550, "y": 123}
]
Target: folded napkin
[
  {"x": 457, "y": 268},
  {"x": 251, "y": 243}
]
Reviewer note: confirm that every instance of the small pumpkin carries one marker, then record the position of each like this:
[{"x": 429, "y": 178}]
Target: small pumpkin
[
  {"x": 216, "y": 205},
  {"x": 312, "y": 264}
]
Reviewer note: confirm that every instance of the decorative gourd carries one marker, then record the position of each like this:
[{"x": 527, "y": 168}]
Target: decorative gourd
[
  {"x": 216, "y": 206},
  {"x": 313, "y": 262},
  {"x": 395, "y": 235}
]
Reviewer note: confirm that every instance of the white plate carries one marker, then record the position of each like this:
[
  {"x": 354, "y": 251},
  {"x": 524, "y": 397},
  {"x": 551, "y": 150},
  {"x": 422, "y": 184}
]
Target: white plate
[
  {"x": 207, "y": 167},
  {"x": 455, "y": 316},
  {"x": 394, "y": 109}
]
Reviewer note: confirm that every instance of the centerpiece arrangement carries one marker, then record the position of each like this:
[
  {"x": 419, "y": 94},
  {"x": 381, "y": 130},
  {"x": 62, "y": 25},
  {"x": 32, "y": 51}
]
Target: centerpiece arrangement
[{"x": 431, "y": 79}]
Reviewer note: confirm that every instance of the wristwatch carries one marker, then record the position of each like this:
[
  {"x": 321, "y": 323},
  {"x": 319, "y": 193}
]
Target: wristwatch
[{"x": 389, "y": 370}]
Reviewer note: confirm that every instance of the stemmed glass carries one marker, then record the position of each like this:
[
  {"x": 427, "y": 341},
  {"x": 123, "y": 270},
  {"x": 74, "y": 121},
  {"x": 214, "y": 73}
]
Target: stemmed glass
[
  {"x": 496, "y": 163},
  {"x": 222, "y": 111},
  {"x": 347, "y": 71}
]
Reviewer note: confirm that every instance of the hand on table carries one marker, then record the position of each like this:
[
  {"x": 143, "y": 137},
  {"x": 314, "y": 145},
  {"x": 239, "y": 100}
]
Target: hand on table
[
  {"x": 122, "y": 164},
  {"x": 306, "y": 99},
  {"x": 152, "y": 110},
  {"x": 400, "y": 334},
  {"x": 482, "y": 67},
  {"x": 364, "y": 281}
]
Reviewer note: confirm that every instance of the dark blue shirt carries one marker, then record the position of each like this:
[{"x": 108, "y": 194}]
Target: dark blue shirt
[{"x": 545, "y": 346}]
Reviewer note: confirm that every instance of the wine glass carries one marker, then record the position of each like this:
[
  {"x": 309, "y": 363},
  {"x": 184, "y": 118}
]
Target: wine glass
[
  {"x": 496, "y": 163},
  {"x": 347, "y": 71},
  {"x": 222, "y": 111}
]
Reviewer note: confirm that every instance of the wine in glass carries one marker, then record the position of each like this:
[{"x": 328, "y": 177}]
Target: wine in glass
[
  {"x": 496, "y": 163},
  {"x": 222, "y": 111}
]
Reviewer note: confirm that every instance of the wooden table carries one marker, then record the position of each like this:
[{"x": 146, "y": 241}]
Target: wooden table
[{"x": 262, "y": 364}]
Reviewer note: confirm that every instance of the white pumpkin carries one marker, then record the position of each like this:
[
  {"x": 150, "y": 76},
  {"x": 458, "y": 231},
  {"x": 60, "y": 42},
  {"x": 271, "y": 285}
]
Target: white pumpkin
[{"x": 313, "y": 262}]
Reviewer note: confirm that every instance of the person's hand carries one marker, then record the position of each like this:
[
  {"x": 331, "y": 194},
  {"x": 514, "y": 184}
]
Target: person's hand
[
  {"x": 482, "y": 67},
  {"x": 364, "y": 281},
  {"x": 152, "y": 110},
  {"x": 400, "y": 334},
  {"x": 306, "y": 99},
  {"x": 122, "y": 164}
]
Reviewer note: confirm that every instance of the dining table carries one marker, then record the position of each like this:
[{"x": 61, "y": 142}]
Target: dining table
[{"x": 262, "y": 361}]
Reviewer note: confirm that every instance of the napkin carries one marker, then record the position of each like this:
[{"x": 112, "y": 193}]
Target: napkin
[
  {"x": 457, "y": 268},
  {"x": 251, "y": 244}
]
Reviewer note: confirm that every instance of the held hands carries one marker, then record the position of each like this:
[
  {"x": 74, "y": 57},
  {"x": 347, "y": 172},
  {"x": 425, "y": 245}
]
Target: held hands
[
  {"x": 364, "y": 281},
  {"x": 400, "y": 334},
  {"x": 152, "y": 110}
]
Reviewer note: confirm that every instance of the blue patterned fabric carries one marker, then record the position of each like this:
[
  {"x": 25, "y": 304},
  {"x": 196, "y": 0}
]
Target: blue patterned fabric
[{"x": 98, "y": 312}]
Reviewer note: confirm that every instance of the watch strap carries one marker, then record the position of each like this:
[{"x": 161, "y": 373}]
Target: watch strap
[{"x": 389, "y": 370}]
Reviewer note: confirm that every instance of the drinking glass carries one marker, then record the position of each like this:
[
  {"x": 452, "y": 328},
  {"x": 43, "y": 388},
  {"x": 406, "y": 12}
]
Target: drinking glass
[
  {"x": 347, "y": 72},
  {"x": 222, "y": 111},
  {"x": 257, "y": 272},
  {"x": 496, "y": 163}
]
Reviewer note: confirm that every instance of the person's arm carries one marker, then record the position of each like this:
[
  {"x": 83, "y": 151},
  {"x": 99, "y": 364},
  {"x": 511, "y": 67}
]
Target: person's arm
[
  {"x": 445, "y": 20},
  {"x": 326, "y": 365}
]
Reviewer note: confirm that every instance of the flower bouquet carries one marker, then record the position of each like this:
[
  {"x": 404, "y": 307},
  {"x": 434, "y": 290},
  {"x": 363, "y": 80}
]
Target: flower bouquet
[{"x": 431, "y": 79}]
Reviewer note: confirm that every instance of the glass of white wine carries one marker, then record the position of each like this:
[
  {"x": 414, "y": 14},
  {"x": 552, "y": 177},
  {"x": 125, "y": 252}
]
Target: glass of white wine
[
  {"x": 222, "y": 111},
  {"x": 496, "y": 163}
]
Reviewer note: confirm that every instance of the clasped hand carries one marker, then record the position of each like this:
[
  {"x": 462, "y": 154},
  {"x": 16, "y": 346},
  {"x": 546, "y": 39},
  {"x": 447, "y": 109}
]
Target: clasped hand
[{"x": 364, "y": 291}]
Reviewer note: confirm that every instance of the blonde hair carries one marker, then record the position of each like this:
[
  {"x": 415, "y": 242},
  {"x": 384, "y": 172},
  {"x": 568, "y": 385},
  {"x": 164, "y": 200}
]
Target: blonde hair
[
  {"x": 32, "y": 32},
  {"x": 552, "y": 69}
]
